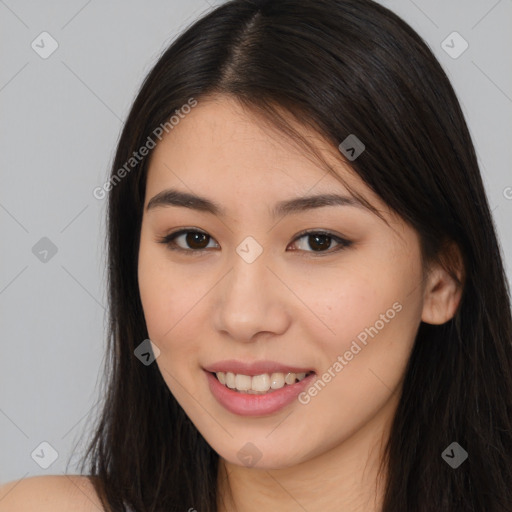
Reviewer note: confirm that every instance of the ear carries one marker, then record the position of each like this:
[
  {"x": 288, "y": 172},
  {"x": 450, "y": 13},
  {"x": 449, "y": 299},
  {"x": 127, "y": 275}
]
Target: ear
[{"x": 442, "y": 292}]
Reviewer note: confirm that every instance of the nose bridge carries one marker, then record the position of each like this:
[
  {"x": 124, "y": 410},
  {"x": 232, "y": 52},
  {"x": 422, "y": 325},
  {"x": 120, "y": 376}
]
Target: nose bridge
[
  {"x": 250, "y": 270},
  {"x": 249, "y": 301},
  {"x": 249, "y": 267},
  {"x": 247, "y": 286}
]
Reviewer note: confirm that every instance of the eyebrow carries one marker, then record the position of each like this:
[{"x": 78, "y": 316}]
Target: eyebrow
[{"x": 174, "y": 197}]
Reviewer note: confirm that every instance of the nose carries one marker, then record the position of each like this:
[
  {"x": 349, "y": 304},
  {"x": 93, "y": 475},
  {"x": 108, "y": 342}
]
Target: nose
[{"x": 250, "y": 301}]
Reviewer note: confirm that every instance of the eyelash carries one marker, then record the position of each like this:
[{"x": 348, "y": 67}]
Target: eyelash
[{"x": 168, "y": 240}]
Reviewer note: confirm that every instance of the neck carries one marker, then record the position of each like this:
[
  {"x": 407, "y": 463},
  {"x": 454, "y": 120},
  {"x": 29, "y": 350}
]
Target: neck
[{"x": 344, "y": 478}]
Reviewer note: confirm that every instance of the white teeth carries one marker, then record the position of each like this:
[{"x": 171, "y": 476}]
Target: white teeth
[
  {"x": 290, "y": 378},
  {"x": 243, "y": 382},
  {"x": 258, "y": 384},
  {"x": 230, "y": 380},
  {"x": 277, "y": 381}
]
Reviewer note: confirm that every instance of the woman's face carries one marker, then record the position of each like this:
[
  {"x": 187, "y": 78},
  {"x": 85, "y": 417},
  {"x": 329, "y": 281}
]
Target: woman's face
[{"x": 251, "y": 295}]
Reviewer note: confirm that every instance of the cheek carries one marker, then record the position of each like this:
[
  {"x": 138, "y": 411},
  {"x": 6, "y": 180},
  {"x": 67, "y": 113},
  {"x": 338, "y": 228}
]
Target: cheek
[
  {"x": 167, "y": 303},
  {"x": 371, "y": 311},
  {"x": 153, "y": 294},
  {"x": 364, "y": 362},
  {"x": 158, "y": 286},
  {"x": 170, "y": 295}
]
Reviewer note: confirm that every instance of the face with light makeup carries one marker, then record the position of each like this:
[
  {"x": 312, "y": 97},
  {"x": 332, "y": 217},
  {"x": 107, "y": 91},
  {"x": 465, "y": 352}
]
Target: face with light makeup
[{"x": 302, "y": 302}]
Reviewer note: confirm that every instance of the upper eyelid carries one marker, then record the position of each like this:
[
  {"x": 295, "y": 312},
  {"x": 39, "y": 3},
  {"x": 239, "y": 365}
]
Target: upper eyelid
[
  {"x": 341, "y": 240},
  {"x": 311, "y": 231}
]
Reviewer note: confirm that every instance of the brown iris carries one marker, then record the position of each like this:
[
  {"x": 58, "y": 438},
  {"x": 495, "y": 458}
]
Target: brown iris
[
  {"x": 319, "y": 241},
  {"x": 197, "y": 240}
]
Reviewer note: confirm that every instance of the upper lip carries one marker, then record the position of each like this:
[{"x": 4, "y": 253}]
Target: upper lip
[{"x": 254, "y": 368}]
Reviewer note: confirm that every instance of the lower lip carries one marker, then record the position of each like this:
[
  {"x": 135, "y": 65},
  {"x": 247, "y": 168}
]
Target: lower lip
[{"x": 245, "y": 404}]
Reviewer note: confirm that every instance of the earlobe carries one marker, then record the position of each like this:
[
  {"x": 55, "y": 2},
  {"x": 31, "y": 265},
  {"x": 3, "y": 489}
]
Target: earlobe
[{"x": 442, "y": 293}]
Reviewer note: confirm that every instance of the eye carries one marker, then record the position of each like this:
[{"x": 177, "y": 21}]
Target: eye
[
  {"x": 197, "y": 240},
  {"x": 320, "y": 241}
]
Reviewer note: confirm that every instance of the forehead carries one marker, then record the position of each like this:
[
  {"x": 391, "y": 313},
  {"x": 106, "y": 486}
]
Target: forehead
[
  {"x": 234, "y": 158},
  {"x": 221, "y": 142}
]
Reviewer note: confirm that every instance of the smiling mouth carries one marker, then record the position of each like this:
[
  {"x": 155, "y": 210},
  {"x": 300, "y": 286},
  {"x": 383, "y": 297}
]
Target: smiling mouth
[{"x": 259, "y": 384}]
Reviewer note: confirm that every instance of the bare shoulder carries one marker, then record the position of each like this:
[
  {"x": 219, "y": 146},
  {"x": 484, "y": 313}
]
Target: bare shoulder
[{"x": 50, "y": 493}]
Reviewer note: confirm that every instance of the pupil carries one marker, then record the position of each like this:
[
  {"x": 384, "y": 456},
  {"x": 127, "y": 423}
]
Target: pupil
[
  {"x": 192, "y": 238},
  {"x": 319, "y": 244},
  {"x": 197, "y": 240}
]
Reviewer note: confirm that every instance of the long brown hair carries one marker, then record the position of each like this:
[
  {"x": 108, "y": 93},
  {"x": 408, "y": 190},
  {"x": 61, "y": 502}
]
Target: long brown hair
[{"x": 339, "y": 67}]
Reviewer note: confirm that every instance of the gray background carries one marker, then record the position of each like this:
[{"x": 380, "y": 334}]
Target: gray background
[{"x": 60, "y": 120}]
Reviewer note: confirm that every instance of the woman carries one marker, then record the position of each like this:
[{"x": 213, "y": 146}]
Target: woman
[{"x": 303, "y": 234}]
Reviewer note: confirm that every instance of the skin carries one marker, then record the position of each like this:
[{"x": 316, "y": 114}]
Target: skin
[{"x": 290, "y": 305}]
